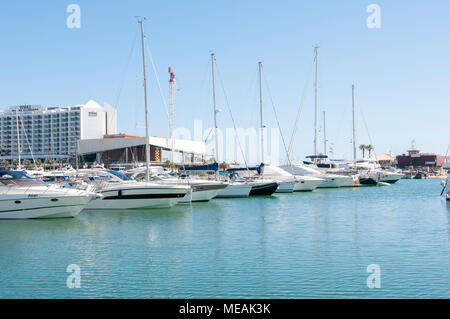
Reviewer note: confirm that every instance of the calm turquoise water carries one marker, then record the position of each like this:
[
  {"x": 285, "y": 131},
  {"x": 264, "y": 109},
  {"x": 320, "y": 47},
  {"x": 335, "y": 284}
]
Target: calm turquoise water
[{"x": 287, "y": 246}]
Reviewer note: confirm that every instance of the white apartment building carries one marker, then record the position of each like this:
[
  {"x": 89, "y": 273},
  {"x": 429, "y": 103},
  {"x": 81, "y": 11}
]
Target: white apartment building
[{"x": 52, "y": 132}]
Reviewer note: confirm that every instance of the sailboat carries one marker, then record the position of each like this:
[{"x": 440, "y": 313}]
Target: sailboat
[
  {"x": 234, "y": 189},
  {"x": 121, "y": 192},
  {"x": 286, "y": 184},
  {"x": 310, "y": 169}
]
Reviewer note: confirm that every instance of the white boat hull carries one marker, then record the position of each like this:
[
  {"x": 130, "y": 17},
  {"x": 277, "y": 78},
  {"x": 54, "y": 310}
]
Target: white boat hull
[
  {"x": 138, "y": 197},
  {"x": 336, "y": 181},
  {"x": 238, "y": 190},
  {"x": 43, "y": 207},
  {"x": 285, "y": 186},
  {"x": 307, "y": 184},
  {"x": 391, "y": 178},
  {"x": 203, "y": 193}
]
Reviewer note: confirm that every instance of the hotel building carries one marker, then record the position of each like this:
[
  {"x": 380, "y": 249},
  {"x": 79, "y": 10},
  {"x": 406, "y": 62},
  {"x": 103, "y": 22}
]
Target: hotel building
[{"x": 52, "y": 132}]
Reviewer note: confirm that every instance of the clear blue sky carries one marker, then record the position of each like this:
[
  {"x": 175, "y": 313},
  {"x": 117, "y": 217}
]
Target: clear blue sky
[{"x": 401, "y": 71}]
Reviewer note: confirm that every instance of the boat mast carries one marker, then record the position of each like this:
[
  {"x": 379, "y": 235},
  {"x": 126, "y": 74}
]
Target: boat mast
[
  {"x": 213, "y": 58},
  {"x": 261, "y": 111},
  {"x": 324, "y": 136},
  {"x": 172, "y": 115},
  {"x": 316, "y": 94},
  {"x": 147, "y": 146},
  {"x": 353, "y": 120},
  {"x": 18, "y": 135}
]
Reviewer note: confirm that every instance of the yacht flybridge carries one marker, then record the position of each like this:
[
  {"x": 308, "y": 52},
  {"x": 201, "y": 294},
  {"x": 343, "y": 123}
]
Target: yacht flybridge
[{"x": 23, "y": 196}]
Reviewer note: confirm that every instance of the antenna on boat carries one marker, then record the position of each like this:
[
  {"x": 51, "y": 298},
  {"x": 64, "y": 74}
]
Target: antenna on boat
[{"x": 147, "y": 146}]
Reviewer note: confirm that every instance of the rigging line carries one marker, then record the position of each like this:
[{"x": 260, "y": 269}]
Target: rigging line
[
  {"x": 28, "y": 142},
  {"x": 157, "y": 80},
  {"x": 231, "y": 114},
  {"x": 448, "y": 148},
  {"x": 302, "y": 102},
  {"x": 367, "y": 130},
  {"x": 207, "y": 136},
  {"x": 276, "y": 117},
  {"x": 122, "y": 82}
]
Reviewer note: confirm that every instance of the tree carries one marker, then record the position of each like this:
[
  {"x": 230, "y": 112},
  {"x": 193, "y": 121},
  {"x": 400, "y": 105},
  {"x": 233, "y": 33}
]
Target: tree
[
  {"x": 223, "y": 165},
  {"x": 166, "y": 164},
  {"x": 4, "y": 164},
  {"x": 27, "y": 163},
  {"x": 363, "y": 148},
  {"x": 369, "y": 148}
]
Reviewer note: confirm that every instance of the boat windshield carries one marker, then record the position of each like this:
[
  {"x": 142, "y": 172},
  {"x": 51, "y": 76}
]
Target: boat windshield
[
  {"x": 20, "y": 178},
  {"x": 120, "y": 175}
]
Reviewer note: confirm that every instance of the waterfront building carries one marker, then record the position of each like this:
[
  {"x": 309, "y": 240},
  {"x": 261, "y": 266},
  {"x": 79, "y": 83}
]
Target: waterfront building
[
  {"x": 34, "y": 131},
  {"x": 415, "y": 159},
  {"x": 127, "y": 148}
]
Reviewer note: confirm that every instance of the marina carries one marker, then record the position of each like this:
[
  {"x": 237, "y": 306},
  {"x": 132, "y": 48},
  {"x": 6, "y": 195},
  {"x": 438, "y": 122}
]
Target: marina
[
  {"x": 283, "y": 167},
  {"x": 303, "y": 245}
]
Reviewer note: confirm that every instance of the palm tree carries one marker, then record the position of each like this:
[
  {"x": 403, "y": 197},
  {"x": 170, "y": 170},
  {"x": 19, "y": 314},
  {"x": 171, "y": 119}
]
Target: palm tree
[
  {"x": 369, "y": 148},
  {"x": 27, "y": 163},
  {"x": 166, "y": 164},
  {"x": 363, "y": 148},
  {"x": 4, "y": 164},
  {"x": 223, "y": 166}
]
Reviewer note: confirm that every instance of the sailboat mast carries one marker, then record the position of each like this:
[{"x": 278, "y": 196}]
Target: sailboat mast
[
  {"x": 147, "y": 146},
  {"x": 316, "y": 95},
  {"x": 172, "y": 115},
  {"x": 353, "y": 120},
  {"x": 261, "y": 111},
  {"x": 324, "y": 135},
  {"x": 213, "y": 58},
  {"x": 18, "y": 135}
]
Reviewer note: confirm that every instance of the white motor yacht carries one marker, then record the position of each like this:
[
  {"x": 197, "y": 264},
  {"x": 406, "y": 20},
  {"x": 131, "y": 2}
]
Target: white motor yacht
[
  {"x": 23, "y": 196},
  {"x": 329, "y": 180},
  {"x": 371, "y": 165},
  {"x": 121, "y": 192},
  {"x": 202, "y": 190},
  {"x": 301, "y": 183}
]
